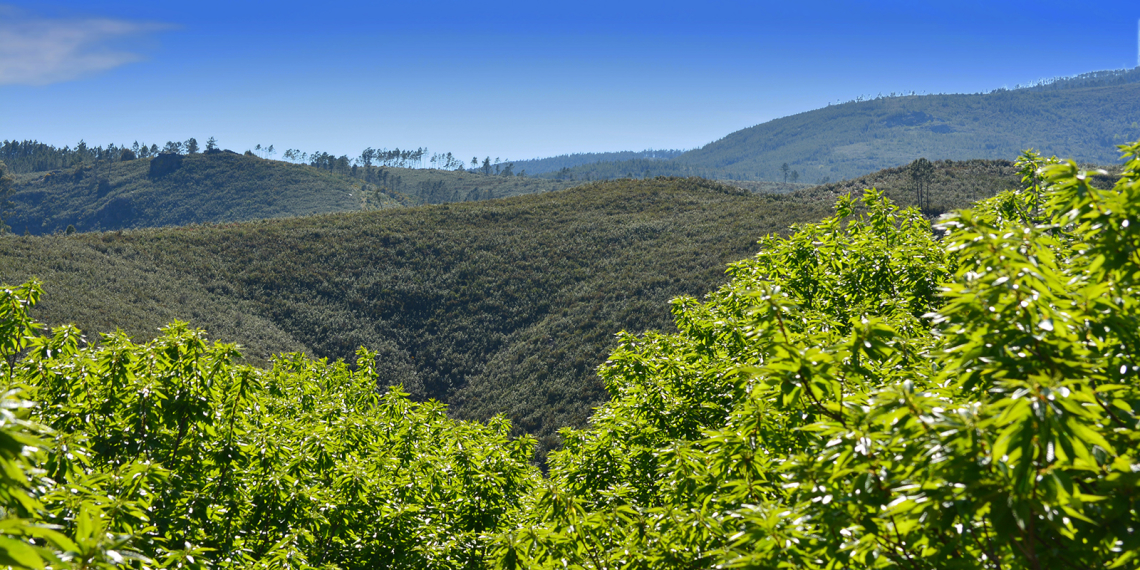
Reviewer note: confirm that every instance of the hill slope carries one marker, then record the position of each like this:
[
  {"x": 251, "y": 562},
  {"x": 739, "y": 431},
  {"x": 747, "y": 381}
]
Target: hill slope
[
  {"x": 226, "y": 187},
  {"x": 1080, "y": 118},
  {"x": 537, "y": 166},
  {"x": 502, "y": 306}
]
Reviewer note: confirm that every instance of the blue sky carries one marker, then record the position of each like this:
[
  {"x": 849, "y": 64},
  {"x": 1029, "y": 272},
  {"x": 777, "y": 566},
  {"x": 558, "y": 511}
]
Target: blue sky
[{"x": 509, "y": 79}]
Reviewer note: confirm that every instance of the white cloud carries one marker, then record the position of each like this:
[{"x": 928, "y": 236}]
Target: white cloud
[{"x": 40, "y": 51}]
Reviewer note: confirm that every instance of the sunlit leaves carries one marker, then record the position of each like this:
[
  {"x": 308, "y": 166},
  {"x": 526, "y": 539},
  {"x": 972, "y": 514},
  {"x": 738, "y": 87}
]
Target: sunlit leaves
[
  {"x": 863, "y": 395},
  {"x": 170, "y": 454}
]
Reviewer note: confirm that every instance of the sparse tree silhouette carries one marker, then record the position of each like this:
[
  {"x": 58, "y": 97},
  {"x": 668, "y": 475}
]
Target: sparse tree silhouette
[
  {"x": 191, "y": 146},
  {"x": 921, "y": 171},
  {"x": 211, "y": 144},
  {"x": 785, "y": 169},
  {"x": 7, "y": 187}
]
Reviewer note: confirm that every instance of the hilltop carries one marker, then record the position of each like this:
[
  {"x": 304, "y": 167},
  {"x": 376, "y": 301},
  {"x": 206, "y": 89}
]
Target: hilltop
[
  {"x": 1083, "y": 118},
  {"x": 226, "y": 187}
]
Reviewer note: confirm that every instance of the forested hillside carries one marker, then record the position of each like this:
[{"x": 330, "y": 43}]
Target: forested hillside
[
  {"x": 544, "y": 165},
  {"x": 496, "y": 306},
  {"x": 221, "y": 187},
  {"x": 1083, "y": 118}
]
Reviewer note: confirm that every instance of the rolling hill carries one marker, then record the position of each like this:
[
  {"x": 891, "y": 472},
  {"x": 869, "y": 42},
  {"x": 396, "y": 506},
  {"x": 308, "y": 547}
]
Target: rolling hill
[
  {"x": 226, "y": 187},
  {"x": 499, "y": 306}
]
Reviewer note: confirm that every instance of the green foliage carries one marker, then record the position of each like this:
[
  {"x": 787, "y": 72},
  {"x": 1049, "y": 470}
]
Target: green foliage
[
  {"x": 953, "y": 184},
  {"x": 863, "y": 395},
  {"x": 169, "y": 454}
]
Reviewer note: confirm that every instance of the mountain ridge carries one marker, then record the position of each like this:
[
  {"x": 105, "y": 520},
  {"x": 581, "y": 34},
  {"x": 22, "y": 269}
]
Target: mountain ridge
[{"x": 1083, "y": 117}]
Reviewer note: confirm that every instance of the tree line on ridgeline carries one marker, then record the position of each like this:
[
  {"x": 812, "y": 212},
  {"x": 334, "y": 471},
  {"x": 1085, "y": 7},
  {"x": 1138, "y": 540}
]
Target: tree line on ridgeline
[{"x": 33, "y": 156}]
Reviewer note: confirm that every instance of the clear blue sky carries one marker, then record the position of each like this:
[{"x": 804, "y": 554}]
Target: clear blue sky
[{"x": 509, "y": 79}]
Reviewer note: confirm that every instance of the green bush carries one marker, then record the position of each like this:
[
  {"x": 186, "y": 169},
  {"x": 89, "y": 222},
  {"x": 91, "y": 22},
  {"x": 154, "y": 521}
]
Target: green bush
[
  {"x": 169, "y": 454},
  {"x": 863, "y": 395}
]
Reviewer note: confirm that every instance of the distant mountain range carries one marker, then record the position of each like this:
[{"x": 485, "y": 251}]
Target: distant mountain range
[
  {"x": 1082, "y": 117},
  {"x": 538, "y": 166}
]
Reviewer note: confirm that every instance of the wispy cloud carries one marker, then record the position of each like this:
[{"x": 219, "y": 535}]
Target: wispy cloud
[{"x": 39, "y": 51}]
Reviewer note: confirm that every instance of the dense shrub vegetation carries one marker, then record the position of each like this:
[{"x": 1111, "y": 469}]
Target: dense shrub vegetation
[
  {"x": 498, "y": 306},
  {"x": 863, "y": 394},
  {"x": 171, "y": 452},
  {"x": 224, "y": 187},
  {"x": 952, "y": 184}
]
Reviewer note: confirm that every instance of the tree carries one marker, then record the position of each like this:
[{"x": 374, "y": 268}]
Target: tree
[
  {"x": 785, "y": 169},
  {"x": 7, "y": 188},
  {"x": 486, "y": 166},
  {"x": 127, "y": 154},
  {"x": 172, "y": 147},
  {"x": 921, "y": 171},
  {"x": 795, "y": 176},
  {"x": 191, "y": 146},
  {"x": 211, "y": 145}
]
